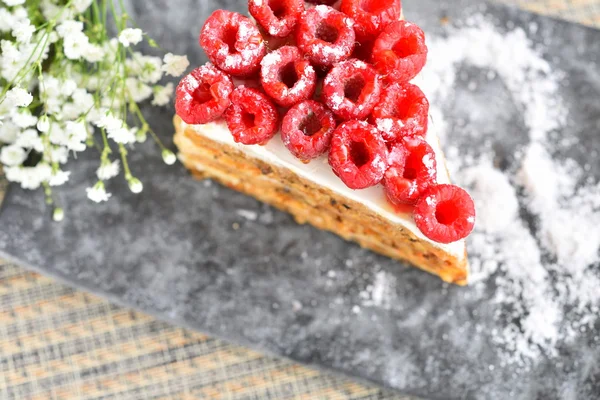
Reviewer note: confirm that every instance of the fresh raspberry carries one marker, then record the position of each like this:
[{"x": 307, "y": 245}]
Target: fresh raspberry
[
  {"x": 287, "y": 77},
  {"x": 371, "y": 16},
  {"x": 412, "y": 169},
  {"x": 352, "y": 89},
  {"x": 203, "y": 95},
  {"x": 277, "y": 17},
  {"x": 325, "y": 35},
  {"x": 307, "y": 129},
  {"x": 363, "y": 50},
  {"x": 445, "y": 213},
  {"x": 326, "y": 2},
  {"x": 402, "y": 111},
  {"x": 233, "y": 43},
  {"x": 252, "y": 117},
  {"x": 358, "y": 154},
  {"x": 400, "y": 52}
]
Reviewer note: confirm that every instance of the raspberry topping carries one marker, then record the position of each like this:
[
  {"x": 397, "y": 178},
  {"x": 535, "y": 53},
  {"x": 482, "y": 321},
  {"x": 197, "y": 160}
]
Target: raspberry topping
[
  {"x": 400, "y": 52},
  {"x": 358, "y": 154},
  {"x": 402, "y": 111},
  {"x": 352, "y": 89},
  {"x": 307, "y": 129},
  {"x": 277, "y": 17},
  {"x": 325, "y": 35},
  {"x": 287, "y": 77},
  {"x": 412, "y": 169},
  {"x": 445, "y": 213},
  {"x": 327, "y": 2},
  {"x": 252, "y": 117},
  {"x": 203, "y": 95},
  {"x": 233, "y": 43},
  {"x": 371, "y": 16}
]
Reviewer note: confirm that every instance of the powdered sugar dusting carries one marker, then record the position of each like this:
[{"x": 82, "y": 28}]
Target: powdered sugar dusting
[{"x": 540, "y": 274}]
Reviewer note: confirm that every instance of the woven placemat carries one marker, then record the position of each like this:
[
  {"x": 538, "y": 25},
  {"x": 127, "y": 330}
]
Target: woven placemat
[{"x": 60, "y": 343}]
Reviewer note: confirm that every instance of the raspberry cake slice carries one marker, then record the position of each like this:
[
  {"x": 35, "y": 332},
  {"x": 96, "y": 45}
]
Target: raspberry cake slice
[{"x": 310, "y": 108}]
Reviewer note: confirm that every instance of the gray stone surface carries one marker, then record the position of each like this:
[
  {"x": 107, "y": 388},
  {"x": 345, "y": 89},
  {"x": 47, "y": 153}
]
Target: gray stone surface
[{"x": 288, "y": 289}]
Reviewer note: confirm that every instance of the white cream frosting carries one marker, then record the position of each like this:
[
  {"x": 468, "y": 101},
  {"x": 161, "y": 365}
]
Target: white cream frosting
[{"x": 319, "y": 172}]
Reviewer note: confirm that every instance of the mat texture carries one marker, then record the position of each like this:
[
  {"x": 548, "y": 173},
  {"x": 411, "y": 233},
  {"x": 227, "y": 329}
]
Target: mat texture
[{"x": 56, "y": 342}]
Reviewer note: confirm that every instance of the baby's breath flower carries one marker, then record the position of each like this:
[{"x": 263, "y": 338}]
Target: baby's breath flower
[
  {"x": 109, "y": 122},
  {"x": 43, "y": 124},
  {"x": 24, "y": 119},
  {"x": 93, "y": 53},
  {"x": 81, "y": 5},
  {"x": 108, "y": 170},
  {"x": 97, "y": 193},
  {"x": 59, "y": 155},
  {"x": 8, "y": 132},
  {"x": 130, "y": 36},
  {"x": 76, "y": 45},
  {"x": 18, "y": 97},
  {"x": 32, "y": 177},
  {"x": 69, "y": 28},
  {"x": 23, "y": 31},
  {"x": 135, "y": 185},
  {"x": 12, "y": 3},
  {"x": 139, "y": 91},
  {"x": 162, "y": 94},
  {"x": 58, "y": 214},
  {"x": 175, "y": 65},
  {"x": 59, "y": 178},
  {"x": 12, "y": 155},
  {"x": 29, "y": 139},
  {"x": 141, "y": 135},
  {"x": 122, "y": 135},
  {"x": 168, "y": 157}
]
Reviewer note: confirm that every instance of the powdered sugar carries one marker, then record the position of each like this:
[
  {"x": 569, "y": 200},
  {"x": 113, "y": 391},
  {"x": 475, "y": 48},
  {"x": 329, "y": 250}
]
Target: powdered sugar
[{"x": 535, "y": 271}]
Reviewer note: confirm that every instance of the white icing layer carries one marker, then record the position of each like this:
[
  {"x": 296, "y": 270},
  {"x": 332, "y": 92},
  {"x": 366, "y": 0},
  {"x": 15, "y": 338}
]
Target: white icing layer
[{"x": 319, "y": 172}]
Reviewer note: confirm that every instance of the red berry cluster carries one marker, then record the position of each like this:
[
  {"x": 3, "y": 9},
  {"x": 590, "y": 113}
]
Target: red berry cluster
[{"x": 334, "y": 81}]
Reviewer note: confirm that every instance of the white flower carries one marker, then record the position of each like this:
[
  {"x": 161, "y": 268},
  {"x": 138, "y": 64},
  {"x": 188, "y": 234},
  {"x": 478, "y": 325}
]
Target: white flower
[
  {"x": 29, "y": 139},
  {"x": 168, "y": 157},
  {"x": 8, "y": 132},
  {"x": 19, "y": 97},
  {"x": 12, "y": 3},
  {"x": 130, "y": 36},
  {"x": 68, "y": 87},
  {"x": 57, "y": 135},
  {"x": 32, "y": 177},
  {"x": 93, "y": 53},
  {"x": 43, "y": 124},
  {"x": 59, "y": 178},
  {"x": 139, "y": 91},
  {"x": 83, "y": 100},
  {"x": 58, "y": 215},
  {"x": 175, "y": 65},
  {"x": 13, "y": 174},
  {"x": 109, "y": 122},
  {"x": 122, "y": 135},
  {"x": 24, "y": 119},
  {"x": 12, "y": 155},
  {"x": 147, "y": 68},
  {"x": 108, "y": 170},
  {"x": 135, "y": 185},
  {"x": 98, "y": 193},
  {"x": 6, "y": 20},
  {"x": 23, "y": 31},
  {"x": 141, "y": 136},
  {"x": 76, "y": 45},
  {"x": 81, "y": 5},
  {"x": 76, "y": 135},
  {"x": 162, "y": 94},
  {"x": 59, "y": 155},
  {"x": 69, "y": 28}
]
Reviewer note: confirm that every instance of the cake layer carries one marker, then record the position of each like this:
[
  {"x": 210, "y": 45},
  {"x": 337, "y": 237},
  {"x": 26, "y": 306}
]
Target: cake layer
[{"x": 326, "y": 207}]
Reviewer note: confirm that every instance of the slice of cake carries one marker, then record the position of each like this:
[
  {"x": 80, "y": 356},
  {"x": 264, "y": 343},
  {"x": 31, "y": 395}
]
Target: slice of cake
[{"x": 314, "y": 114}]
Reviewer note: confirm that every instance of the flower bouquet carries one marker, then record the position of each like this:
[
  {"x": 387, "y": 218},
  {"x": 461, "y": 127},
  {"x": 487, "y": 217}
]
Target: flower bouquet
[{"x": 70, "y": 79}]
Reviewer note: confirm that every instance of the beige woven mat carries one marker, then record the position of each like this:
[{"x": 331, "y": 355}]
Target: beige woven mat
[{"x": 59, "y": 343}]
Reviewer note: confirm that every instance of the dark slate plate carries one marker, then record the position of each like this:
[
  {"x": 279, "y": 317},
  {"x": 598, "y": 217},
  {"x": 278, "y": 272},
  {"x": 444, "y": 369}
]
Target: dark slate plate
[{"x": 173, "y": 251}]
